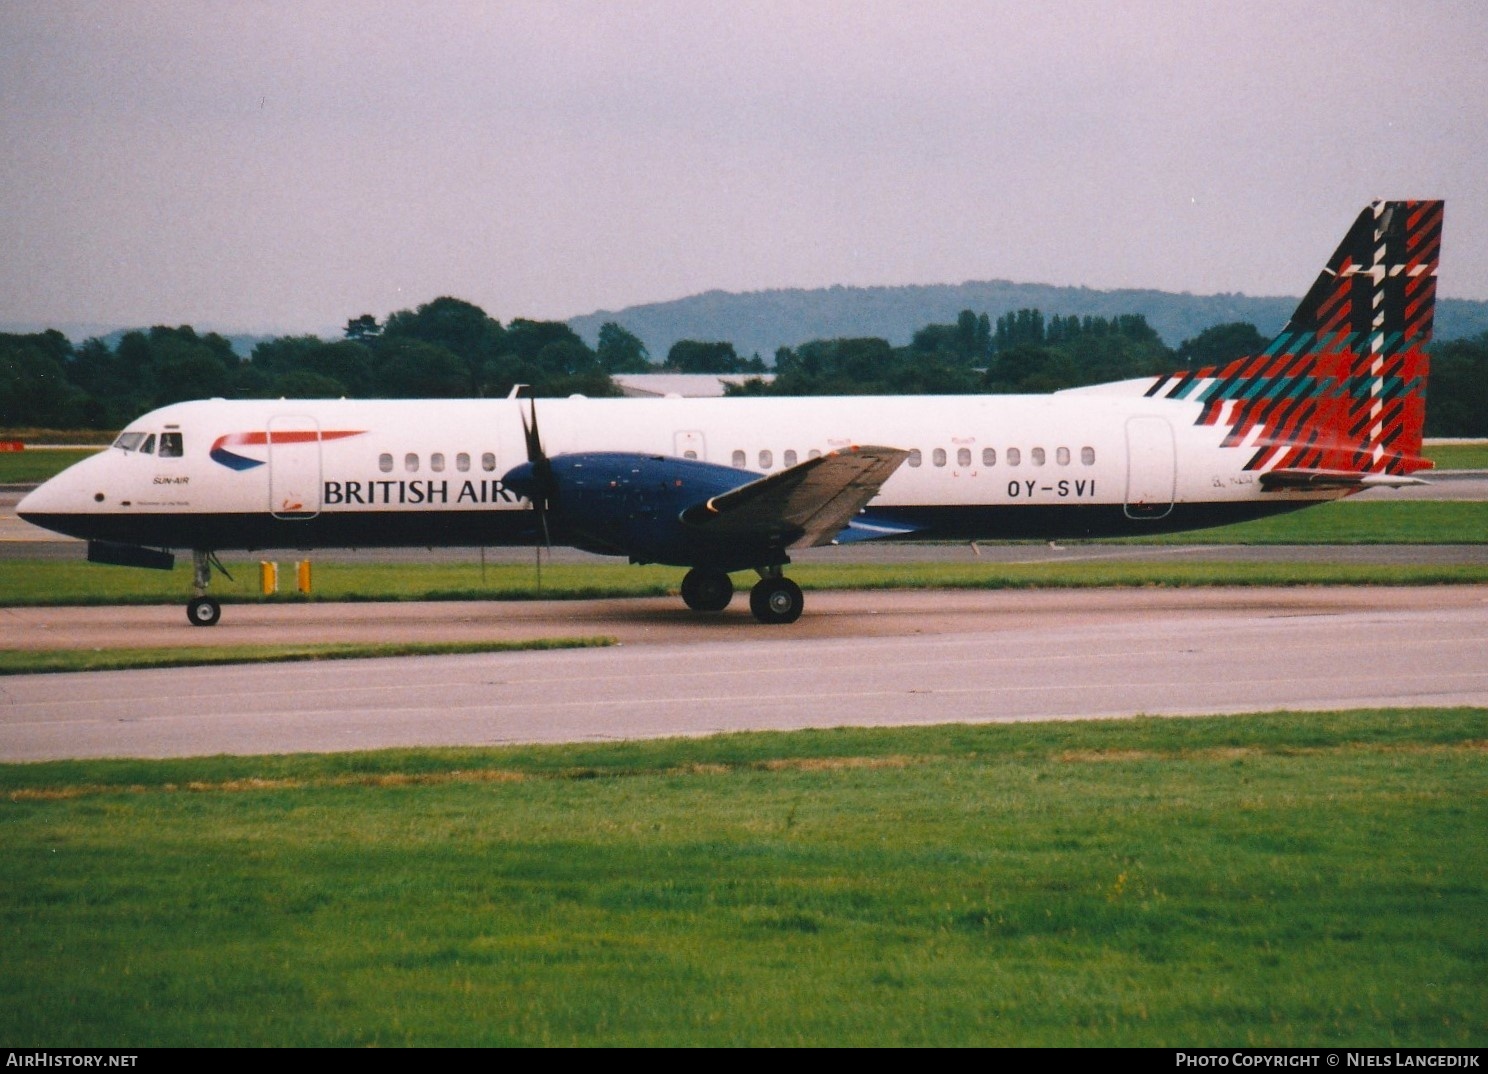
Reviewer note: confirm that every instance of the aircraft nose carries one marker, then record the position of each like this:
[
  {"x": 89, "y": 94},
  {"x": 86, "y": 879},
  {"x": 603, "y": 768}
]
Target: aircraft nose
[
  {"x": 41, "y": 500},
  {"x": 57, "y": 504}
]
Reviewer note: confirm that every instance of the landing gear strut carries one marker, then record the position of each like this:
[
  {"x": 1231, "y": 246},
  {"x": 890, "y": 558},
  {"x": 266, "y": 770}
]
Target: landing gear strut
[
  {"x": 202, "y": 610},
  {"x": 706, "y": 590},
  {"x": 775, "y": 598}
]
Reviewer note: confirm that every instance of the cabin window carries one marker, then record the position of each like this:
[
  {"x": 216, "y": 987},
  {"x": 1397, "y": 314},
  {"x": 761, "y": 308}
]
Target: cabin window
[
  {"x": 939, "y": 456},
  {"x": 462, "y": 462},
  {"x": 1061, "y": 456},
  {"x": 789, "y": 458},
  {"x": 148, "y": 447},
  {"x": 767, "y": 459},
  {"x": 989, "y": 456},
  {"x": 689, "y": 454},
  {"x": 1014, "y": 456},
  {"x": 171, "y": 446},
  {"x": 385, "y": 463},
  {"x": 739, "y": 460},
  {"x": 813, "y": 454},
  {"x": 436, "y": 462},
  {"x": 963, "y": 456},
  {"x": 1037, "y": 454},
  {"x": 410, "y": 463},
  {"x": 1087, "y": 456},
  {"x": 488, "y": 461},
  {"x": 914, "y": 457}
]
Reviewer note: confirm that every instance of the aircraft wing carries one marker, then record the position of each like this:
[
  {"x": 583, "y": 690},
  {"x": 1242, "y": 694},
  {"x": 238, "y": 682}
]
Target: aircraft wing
[
  {"x": 804, "y": 506},
  {"x": 1278, "y": 479}
]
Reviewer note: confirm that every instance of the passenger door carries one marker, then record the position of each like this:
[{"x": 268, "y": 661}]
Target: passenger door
[{"x": 1151, "y": 467}]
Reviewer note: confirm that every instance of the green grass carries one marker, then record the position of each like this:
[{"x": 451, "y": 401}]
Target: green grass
[
  {"x": 43, "y": 661},
  {"x": 52, "y": 583},
  {"x": 1275, "y": 880},
  {"x": 1353, "y": 522},
  {"x": 23, "y": 467},
  {"x": 32, "y": 437},
  {"x": 1458, "y": 456}
]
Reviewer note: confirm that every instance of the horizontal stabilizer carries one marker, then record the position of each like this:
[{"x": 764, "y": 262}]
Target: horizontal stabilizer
[
  {"x": 868, "y": 528},
  {"x": 804, "y": 506},
  {"x": 1313, "y": 480}
]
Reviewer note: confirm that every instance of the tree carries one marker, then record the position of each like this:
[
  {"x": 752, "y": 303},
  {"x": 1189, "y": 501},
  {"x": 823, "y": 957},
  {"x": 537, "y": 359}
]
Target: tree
[
  {"x": 34, "y": 390},
  {"x": 178, "y": 364},
  {"x": 621, "y": 351},
  {"x": 695, "y": 356},
  {"x": 1457, "y": 396},
  {"x": 362, "y": 329},
  {"x": 526, "y": 339},
  {"x": 1220, "y": 344},
  {"x": 413, "y": 369},
  {"x": 347, "y": 363},
  {"x": 457, "y": 326},
  {"x": 1016, "y": 329},
  {"x": 303, "y": 384}
]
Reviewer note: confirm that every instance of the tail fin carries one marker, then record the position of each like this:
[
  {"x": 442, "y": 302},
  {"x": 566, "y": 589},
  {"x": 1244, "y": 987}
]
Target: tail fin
[{"x": 1342, "y": 389}]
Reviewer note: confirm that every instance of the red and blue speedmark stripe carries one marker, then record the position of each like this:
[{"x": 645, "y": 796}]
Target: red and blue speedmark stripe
[
  {"x": 1343, "y": 387},
  {"x": 233, "y": 461}
]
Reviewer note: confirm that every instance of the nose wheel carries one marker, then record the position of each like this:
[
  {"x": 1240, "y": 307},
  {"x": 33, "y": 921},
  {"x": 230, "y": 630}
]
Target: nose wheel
[
  {"x": 776, "y": 600},
  {"x": 202, "y": 610}
]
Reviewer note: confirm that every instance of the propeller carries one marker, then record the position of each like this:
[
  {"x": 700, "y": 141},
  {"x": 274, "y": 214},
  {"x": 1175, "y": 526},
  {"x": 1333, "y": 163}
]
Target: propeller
[
  {"x": 541, "y": 488},
  {"x": 537, "y": 484}
]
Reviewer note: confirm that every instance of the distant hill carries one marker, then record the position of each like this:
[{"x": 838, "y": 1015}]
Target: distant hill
[{"x": 758, "y": 322}]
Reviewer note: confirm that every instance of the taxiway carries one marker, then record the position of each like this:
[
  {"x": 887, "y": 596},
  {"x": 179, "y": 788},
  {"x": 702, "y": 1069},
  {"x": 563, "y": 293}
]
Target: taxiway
[{"x": 862, "y": 659}]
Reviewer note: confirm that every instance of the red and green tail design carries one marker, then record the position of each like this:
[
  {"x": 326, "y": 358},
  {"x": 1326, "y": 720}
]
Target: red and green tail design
[{"x": 1342, "y": 389}]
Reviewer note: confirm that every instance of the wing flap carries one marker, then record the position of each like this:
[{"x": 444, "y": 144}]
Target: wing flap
[{"x": 804, "y": 506}]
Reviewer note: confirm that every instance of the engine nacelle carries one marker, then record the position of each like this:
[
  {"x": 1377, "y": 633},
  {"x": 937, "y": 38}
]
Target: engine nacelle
[{"x": 622, "y": 504}]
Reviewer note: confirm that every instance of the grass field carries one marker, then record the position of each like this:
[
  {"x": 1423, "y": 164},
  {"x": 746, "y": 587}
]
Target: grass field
[
  {"x": 1280, "y": 880},
  {"x": 1472, "y": 456},
  {"x": 23, "y": 467},
  {"x": 48, "y": 582}
]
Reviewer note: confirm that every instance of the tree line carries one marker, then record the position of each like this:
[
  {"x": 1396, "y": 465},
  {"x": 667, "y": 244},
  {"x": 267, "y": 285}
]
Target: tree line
[{"x": 449, "y": 348}]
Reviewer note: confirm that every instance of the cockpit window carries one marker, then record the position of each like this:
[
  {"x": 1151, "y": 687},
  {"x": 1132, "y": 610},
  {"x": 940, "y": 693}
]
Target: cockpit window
[
  {"x": 128, "y": 441},
  {"x": 148, "y": 447},
  {"x": 171, "y": 446}
]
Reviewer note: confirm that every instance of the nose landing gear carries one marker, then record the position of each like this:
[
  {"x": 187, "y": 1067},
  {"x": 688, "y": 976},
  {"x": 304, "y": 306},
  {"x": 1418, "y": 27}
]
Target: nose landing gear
[{"x": 203, "y": 610}]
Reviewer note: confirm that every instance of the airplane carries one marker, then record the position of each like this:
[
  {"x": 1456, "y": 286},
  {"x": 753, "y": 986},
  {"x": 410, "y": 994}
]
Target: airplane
[{"x": 1334, "y": 405}]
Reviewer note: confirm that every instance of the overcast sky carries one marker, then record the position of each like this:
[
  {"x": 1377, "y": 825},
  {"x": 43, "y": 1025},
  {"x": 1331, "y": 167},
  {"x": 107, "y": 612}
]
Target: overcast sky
[{"x": 278, "y": 166}]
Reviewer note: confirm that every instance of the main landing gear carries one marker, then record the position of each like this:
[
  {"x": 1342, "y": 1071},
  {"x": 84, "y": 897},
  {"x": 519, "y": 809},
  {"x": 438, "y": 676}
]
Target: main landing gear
[
  {"x": 707, "y": 590},
  {"x": 774, "y": 598},
  {"x": 202, "y": 610}
]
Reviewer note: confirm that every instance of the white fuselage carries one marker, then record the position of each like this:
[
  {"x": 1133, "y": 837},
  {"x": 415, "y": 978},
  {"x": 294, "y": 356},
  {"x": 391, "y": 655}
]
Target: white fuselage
[{"x": 306, "y": 473}]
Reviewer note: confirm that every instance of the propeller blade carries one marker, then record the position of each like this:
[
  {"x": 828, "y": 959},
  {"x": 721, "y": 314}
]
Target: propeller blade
[
  {"x": 529, "y": 431},
  {"x": 543, "y": 486},
  {"x": 542, "y": 469}
]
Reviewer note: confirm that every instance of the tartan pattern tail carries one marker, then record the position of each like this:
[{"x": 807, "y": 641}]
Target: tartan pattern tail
[{"x": 1343, "y": 387}]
